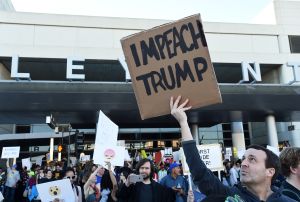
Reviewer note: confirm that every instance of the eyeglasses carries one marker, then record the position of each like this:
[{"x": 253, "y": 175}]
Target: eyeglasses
[{"x": 73, "y": 177}]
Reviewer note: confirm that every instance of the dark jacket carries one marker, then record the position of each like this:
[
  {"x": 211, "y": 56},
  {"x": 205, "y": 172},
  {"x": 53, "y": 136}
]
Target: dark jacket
[
  {"x": 159, "y": 193},
  {"x": 290, "y": 191},
  {"x": 209, "y": 184}
]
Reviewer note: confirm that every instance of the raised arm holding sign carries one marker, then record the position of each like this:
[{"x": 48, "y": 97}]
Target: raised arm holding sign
[{"x": 258, "y": 169}]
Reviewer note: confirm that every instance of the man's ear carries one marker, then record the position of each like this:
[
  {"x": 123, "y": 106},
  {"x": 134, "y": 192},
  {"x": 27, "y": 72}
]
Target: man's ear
[
  {"x": 270, "y": 172},
  {"x": 293, "y": 170}
]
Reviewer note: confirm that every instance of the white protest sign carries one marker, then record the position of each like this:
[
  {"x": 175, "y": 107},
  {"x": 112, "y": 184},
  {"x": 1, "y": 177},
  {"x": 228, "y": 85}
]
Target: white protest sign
[
  {"x": 73, "y": 160},
  {"x": 107, "y": 131},
  {"x": 26, "y": 162},
  {"x": 38, "y": 159},
  {"x": 275, "y": 150},
  {"x": 10, "y": 152},
  {"x": 210, "y": 154},
  {"x": 60, "y": 189},
  {"x": 126, "y": 156},
  {"x": 240, "y": 153},
  {"x": 168, "y": 151},
  {"x": 1, "y": 196},
  {"x": 176, "y": 156},
  {"x": 86, "y": 158},
  {"x": 106, "y": 153}
]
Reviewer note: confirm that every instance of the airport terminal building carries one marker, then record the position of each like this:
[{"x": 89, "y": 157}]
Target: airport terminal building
[{"x": 257, "y": 68}]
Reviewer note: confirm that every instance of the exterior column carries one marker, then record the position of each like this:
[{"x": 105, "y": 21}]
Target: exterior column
[
  {"x": 272, "y": 131},
  {"x": 51, "y": 148},
  {"x": 238, "y": 138},
  {"x": 195, "y": 133}
]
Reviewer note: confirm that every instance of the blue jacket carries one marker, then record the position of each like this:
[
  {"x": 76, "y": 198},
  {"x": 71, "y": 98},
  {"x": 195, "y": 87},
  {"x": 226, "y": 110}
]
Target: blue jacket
[
  {"x": 170, "y": 182},
  {"x": 209, "y": 184}
]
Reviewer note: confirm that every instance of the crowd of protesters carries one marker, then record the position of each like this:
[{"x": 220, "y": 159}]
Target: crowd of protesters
[
  {"x": 259, "y": 176},
  {"x": 165, "y": 180}
]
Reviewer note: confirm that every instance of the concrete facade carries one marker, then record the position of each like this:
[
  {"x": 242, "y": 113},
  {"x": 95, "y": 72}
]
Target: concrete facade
[{"x": 59, "y": 36}]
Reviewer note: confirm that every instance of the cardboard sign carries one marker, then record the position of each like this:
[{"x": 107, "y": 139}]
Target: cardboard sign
[
  {"x": 26, "y": 162},
  {"x": 10, "y": 152},
  {"x": 113, "y": 154},
  {"x": 210, "y": 154},
  {"x": 60, "y": 189},
  {"x": 171, "y": 60}
]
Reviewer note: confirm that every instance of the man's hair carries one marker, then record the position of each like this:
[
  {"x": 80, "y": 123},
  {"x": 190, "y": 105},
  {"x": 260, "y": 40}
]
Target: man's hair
[
  {"x": 289, "y": 157},
  {"x": 142, "y": 162},
  {"x": 272, "y": 161}
]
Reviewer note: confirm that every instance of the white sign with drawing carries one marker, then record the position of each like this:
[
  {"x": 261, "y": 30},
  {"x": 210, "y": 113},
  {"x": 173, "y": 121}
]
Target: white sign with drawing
[
  {"x": 59, "y": 189},
  {"x": 107, "y": 131},
  {"x": 10, "y": 152},
  {"x": 106, "y": 153}
]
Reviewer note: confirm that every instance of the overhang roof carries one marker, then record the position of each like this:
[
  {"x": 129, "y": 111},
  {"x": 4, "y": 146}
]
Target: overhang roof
[{"x": 29, "y": 102}]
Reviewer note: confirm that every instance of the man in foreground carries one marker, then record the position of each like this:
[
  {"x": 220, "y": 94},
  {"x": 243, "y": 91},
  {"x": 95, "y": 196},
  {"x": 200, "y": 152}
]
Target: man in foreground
[{"x": 258, "y": 169}]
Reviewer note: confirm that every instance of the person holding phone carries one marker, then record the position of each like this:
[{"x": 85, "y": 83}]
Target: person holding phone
[
  {"x": 177, "y": 182},
  {"x": 145, "y": 189}
]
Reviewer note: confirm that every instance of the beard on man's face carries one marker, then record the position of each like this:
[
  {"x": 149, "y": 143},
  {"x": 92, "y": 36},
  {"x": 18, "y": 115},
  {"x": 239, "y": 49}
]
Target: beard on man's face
[{"x": 145, "y": 176}]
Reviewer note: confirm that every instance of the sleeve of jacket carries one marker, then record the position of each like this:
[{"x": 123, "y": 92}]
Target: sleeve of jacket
[
  {"x": 126, "y": 192},
  {"x": 206, "y": 181}
]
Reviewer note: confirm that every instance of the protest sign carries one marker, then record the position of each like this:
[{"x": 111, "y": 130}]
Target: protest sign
[
  {"x": 108, "y": 153},
  {"x": 37, "y": 159},
  {"x": 275, "y": 150},
  {"x": 107, "y": 131},
  {"x": 26, "y": 162},
  {"x": 157, "y": 156},
  {"x": 106, "y": 141},
  {"x": 240, "y": 153},
  {"x": 10, "y": 152},
  {"x": 59, "y": 189},
  {"x": 1, "y": 196},
  {"x": 210, "y": 154},
  {"x": 127, "y": 156},
  {"x": 85, "y": 158},
  {"x": 171, "y": 60}
]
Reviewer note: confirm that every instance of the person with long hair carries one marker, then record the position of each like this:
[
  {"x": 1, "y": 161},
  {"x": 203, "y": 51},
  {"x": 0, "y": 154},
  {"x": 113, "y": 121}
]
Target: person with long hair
[
  {"x": 91, "y": 190},
  {"x": 108, "y": 186},
  {"x": 147, "y": 190}
]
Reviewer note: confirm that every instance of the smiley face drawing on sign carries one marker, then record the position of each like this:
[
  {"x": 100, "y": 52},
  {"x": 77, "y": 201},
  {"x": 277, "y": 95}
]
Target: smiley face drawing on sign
[
  {"x": 109, "y": 154},
  {"x": 54, "y": 191}
]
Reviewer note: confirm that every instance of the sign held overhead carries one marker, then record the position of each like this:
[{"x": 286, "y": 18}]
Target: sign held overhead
[{"x": 171, "y": 60}]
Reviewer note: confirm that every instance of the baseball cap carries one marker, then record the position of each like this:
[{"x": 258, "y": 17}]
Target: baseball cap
[{"x": 174, "y": 165}]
